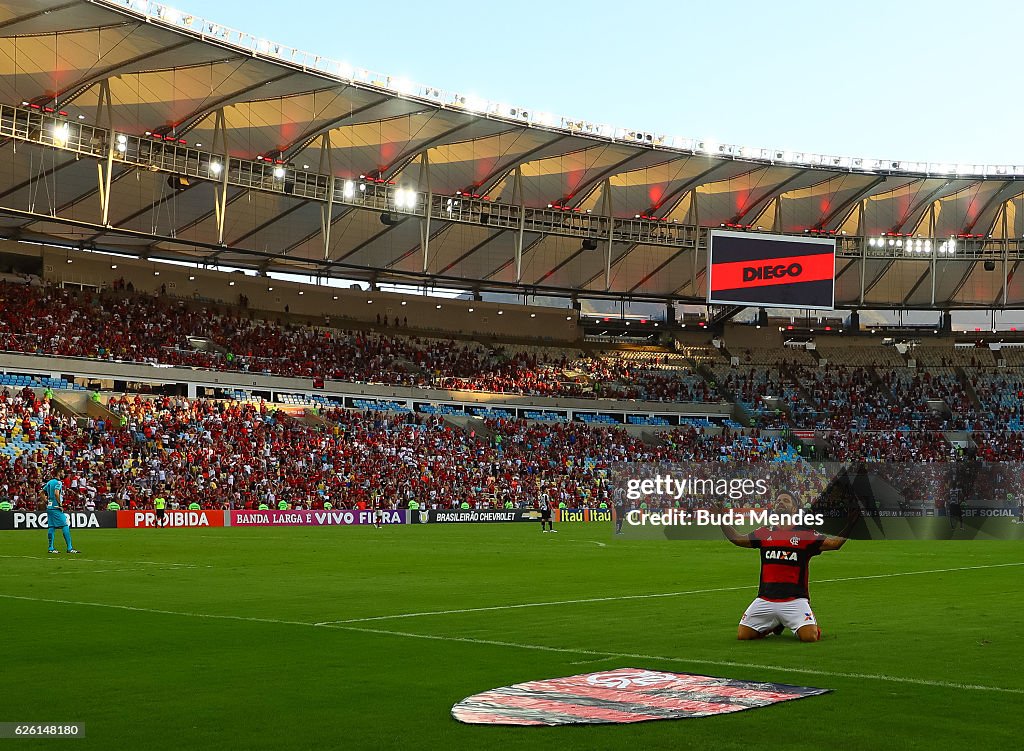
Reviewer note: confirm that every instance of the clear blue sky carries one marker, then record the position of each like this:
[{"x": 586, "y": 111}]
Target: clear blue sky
[{"x": 898, "y": 79}]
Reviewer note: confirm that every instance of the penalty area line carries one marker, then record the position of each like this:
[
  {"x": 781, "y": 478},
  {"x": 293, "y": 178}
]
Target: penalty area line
[
  {"x": 615, "y": 598},
  {"x": 595, "y": 654}
]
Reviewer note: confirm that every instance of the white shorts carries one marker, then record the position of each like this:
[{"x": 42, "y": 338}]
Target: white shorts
[{"x": 764, "y": 615}]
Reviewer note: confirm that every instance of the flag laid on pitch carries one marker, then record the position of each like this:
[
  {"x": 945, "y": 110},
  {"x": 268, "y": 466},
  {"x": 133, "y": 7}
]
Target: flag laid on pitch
[{"x": 620, "y": 696}]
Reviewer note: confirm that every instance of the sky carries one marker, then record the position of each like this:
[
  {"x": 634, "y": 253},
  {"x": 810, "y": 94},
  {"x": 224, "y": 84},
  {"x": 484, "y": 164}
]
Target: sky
[{"x": 904, "y": 80}]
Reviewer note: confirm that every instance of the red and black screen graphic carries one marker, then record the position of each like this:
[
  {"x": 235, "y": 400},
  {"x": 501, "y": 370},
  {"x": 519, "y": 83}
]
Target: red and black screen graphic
[{"x": 771, "y": 270}]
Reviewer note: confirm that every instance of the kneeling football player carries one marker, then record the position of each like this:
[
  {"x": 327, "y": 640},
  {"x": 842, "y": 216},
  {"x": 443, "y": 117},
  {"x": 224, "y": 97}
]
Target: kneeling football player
[{"x": 782, "y": 599}]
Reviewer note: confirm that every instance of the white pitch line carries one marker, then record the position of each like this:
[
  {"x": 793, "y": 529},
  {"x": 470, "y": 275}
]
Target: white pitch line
[
  {"x": 655, "y": 595},
  {"x": 591, "y": 662},
  {"x": 132, "y": 608},
  {"x": 689, "y": 660},
  {"x": 536, "y": 647},
  {"x": 80, "y": 560}
]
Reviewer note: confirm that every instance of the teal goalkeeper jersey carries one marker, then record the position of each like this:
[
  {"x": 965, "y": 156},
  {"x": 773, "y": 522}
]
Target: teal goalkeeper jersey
[{"x": 52, "y": 488}]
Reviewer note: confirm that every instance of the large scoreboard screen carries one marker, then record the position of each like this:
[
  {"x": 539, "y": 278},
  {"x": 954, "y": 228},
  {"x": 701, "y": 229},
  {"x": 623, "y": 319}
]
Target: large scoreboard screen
[{"x": 771, "y": 271}]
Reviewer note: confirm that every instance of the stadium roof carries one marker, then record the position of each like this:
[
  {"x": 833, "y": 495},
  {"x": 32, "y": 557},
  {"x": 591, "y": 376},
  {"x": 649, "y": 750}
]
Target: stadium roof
[{"x": 119, "y": 116}]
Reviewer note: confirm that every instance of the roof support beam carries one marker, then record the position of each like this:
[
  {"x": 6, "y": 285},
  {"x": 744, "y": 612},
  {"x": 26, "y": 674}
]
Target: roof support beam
[
  {"x": 502, "y": 171},
  {"x": 425, "y": 187},
  {"x": 928, "y": 199},
  {"x": 774, "y": 192},
  {"x": 585, "y": 189},
  {"x": 963, "y": 280},
  {"x": 312, "y": 235},
  {"x": 263, "y": 225},
  {"x": 403, "y": 160},
  {"x": 678, "y": 194},
  {"x": 518, "y": 198},
  {"x": 82, "y": 85},
  {"x": 192, "y": 119},
  {"x": 327, "y": 209},
  {"x": 609, "y": 217},
  {"x": 30, "y": 16},
  {"x": 996, "y": 196},
  {"x": 305, "y": 139},
  {"x": 844, "y": 209},
  {"x": 220, "y": 192},
  {"x": 105, "y": 119},
  {"x": 370, "y": 240}
]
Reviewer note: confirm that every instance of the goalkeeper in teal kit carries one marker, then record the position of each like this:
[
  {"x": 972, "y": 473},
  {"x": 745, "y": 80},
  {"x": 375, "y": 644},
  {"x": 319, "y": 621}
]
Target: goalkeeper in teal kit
[{"x": 53, "y": 492}]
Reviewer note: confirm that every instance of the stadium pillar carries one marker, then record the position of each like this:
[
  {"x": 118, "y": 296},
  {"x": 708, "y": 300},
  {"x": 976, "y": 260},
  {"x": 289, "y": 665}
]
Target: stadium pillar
[
  {"x": 609, "y": 218},
  {"x": 863, "y": 265},
  {"x": 694, "y": 219},
  {"x": 428, "y": 209},
  {"x": 517, "y": 192},
  {"x": 220, "y": 132},
  {"x": 327, "y": 210},
  {"x": 934, "y": 267},
  {"x": 104, "y": 119}
]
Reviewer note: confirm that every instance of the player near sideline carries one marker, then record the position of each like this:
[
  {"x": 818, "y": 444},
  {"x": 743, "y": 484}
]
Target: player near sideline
[
  {"x": 782, "y": 599},
  {"x": 378, "y": 515},
  {"x": 160, "y": 504},
  {"x": 52, "y": 499},
  {"x": 545, "y": 513}
]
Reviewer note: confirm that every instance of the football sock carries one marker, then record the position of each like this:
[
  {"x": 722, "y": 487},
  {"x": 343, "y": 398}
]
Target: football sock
[
  {"x": 67, "y": 537},
  {"x": 49, "y": 537}
]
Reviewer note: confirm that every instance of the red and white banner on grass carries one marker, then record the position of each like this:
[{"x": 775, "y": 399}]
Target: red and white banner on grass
[
  {"x": 314, "y": 518},
  {"x": 622, "y": 695}
]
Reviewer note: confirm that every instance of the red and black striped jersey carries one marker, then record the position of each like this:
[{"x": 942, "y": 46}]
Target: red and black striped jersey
[{"x": 785, "y": 555}]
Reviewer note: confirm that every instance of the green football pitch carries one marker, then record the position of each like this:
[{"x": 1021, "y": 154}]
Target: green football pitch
[{"x": 313, "y": 638}]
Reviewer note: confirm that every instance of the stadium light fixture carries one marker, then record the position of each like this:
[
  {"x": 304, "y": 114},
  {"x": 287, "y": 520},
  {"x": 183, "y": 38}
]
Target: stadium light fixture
[
  {"x": 348, "y": 189},
  {"x": 61, "y": 133},
  {"x": 215, "y": 168},
  {"x": 501, "y": 312},
  {"x": 121, "y": 142},
  {"x": 279, "y": 172},
  {"x": 405, "y": 302}
]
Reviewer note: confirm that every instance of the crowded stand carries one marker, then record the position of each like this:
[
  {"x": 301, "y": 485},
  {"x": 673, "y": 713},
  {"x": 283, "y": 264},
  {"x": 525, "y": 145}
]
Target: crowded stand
[
  {"x": 127, "y": 326},
  {"x": 865, "y": 402},
  {"x": 222, "y": 454}
]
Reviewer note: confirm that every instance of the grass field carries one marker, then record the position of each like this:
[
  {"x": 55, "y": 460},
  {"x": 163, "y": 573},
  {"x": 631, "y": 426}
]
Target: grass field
[{"x": 195, "y": 639}]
